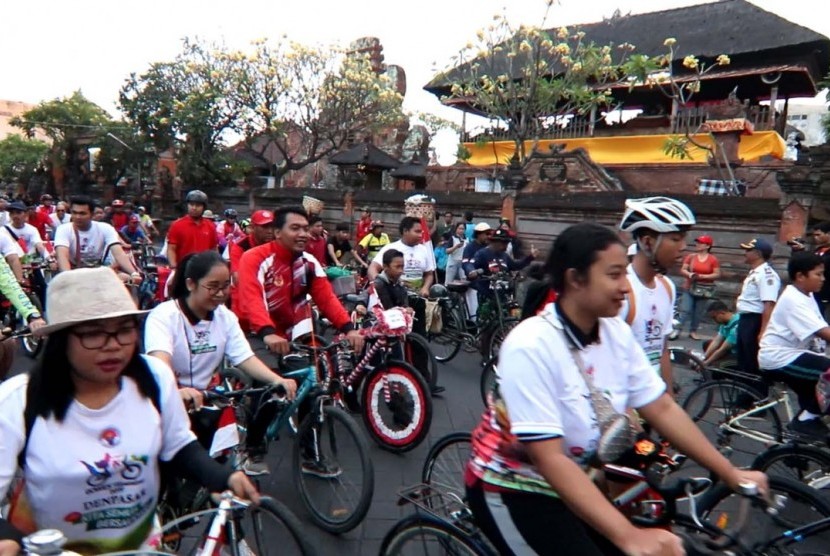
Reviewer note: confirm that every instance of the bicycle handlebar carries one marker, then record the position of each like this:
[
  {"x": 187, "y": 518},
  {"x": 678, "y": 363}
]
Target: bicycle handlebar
[{"x": 212, "y": 396}]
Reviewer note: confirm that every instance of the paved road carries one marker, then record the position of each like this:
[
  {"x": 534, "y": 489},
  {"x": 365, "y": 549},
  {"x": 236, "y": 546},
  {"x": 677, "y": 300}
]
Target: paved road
[{"x": 457, "y": 409}]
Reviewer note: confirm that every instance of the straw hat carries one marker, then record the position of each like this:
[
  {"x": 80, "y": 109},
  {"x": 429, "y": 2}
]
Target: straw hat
[{"x": 83, "y": 295}]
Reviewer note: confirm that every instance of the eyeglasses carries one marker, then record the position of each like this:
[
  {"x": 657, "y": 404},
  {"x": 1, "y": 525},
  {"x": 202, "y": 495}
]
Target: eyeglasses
[
  {"x": 100, "y": 338},
  {"x": 213, "y": 289}
]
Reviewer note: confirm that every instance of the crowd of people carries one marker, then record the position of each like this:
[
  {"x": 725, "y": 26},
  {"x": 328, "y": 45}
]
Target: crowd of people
[{"x": 593, "y": 347}]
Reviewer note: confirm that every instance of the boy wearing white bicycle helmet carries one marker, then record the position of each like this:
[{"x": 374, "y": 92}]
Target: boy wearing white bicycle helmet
[{"x": 658, "y": 226}]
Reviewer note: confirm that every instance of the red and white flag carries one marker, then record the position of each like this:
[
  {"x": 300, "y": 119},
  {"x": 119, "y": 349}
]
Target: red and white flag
[{"x": 226, "y": 435}]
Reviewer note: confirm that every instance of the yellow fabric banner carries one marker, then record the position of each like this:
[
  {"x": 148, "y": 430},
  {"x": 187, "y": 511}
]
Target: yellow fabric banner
[{"x": 632, "y": 149}]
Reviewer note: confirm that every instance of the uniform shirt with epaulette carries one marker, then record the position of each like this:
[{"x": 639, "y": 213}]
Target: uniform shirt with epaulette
[{"x": 761, "y": 284}]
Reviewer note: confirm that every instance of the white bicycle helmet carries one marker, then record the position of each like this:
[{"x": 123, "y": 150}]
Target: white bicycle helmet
[{"x": 661, "y": 214}]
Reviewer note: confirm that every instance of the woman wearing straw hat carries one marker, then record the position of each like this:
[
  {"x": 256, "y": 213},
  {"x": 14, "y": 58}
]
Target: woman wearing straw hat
[{"x": 88, "y": 426}]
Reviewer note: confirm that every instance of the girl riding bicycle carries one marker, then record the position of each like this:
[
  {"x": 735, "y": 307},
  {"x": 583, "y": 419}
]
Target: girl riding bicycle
[
  {"x": 94, "y": 404},
  {"x": 194, "y": 332},
  {"x": 563, "y": 375}
]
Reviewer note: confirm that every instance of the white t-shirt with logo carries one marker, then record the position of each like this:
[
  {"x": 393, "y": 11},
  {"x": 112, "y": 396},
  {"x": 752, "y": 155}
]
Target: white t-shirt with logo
[
  {"x": 95, "y": 242},
  {"x": 653, "y": 314},
  {"x": 196, "y": 350},
  {"x": 791, "y": 330},
  {"x": 417, "y": 260},
  {"x": 94, "y": 476},
  {"x": 29, "y": 234},
  {"x": 545, "y": 394},
  {"x": 760, "y": 285}
]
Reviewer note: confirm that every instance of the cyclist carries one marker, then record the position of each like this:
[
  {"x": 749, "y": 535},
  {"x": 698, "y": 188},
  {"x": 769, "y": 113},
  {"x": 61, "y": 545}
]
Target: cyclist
[
  {"x": 191, "y": 233},
  {"x": 87, "y": 427},
  {"x": 147, "y": 222},
  {"x": 373, "y": 242},
  {"x": 339, "y": 250},
  {"x": 480, "y": 233},
  {"x": 418, "y": 266},
  {"x": 132, "y": 232},
  {"x": 87, "y": 243},
  {"x": 228, "y": 230},
  {"x": 262, "y": 231},
  {"x": 821, "y": 238},
  {"x": 119, "y": 216},
  {"x": 276, "y": 281},
  {"x": 364, "y": 225},
  {"x": 317, "y": 239},
  {"x": 494, "y": 259},
  {"x": 60, "y": 216},
  {"x": 39, "y": 220},
  {"x": 194, "y": 331},
  {"x": 658, "y": 226},
  {"x": 793, "y": 344},
  {"x": 387, "y": 290},
  {"x": 527, "y": 478},
  {"x": 31, "y": 243},
  {"x": 755, "y": 302}
]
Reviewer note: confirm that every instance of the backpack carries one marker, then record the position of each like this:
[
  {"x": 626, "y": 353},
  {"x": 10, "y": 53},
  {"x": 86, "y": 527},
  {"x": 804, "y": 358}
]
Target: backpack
[
  {"x": 30, "y": 416},
  {"x": 632, "y": 302}
]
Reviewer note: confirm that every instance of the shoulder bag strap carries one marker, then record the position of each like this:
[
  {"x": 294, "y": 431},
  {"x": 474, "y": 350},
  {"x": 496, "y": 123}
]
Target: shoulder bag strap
[{"x": 77, "y": 247}]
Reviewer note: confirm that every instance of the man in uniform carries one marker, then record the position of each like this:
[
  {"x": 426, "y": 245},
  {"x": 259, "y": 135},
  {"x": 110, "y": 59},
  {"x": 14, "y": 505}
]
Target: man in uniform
[{"x": 755, "y": 302}]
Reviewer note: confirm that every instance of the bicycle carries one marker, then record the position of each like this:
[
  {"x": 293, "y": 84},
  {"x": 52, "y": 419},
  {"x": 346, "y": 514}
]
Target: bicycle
[
  {"x": 326, "y": 436},
  {"x": 234, "y": 527},
  {"x": 496, "y": 318},
  {"x": 391, "y": 396},
  {"x": 10, "y": 318}
]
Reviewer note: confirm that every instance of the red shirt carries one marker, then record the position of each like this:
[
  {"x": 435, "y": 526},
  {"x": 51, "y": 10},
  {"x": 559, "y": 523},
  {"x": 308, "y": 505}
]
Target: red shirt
[
  {"x": 317, "y": 248},
  {"x": 364, "y": 228},
  {"x": 701, "y": 268},
  {"x": 40, "y": 220},
  {"x": 267, "y": 295},
  {"x": 235, "y": 251},
  {"x": 119, "y": 219},
  {"x": 192, "y": 236}
]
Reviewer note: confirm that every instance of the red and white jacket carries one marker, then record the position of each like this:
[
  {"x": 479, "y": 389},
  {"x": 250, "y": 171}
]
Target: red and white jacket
[{"x": 270, "y": 299}]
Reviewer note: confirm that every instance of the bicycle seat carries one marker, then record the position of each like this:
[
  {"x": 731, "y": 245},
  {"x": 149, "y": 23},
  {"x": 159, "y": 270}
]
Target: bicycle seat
[
  {"x": 458, "y": 286},
  {"x": 357, "y": 298}
]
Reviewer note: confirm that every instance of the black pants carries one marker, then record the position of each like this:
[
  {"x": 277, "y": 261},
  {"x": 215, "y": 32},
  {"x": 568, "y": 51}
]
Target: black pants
[
  {"x": 545, "y": 523},
  {"x": 255, "y": 441},
  {"x": 801, "y": 376},
  {"x": 419, "y": 305},
  {"x": 749, "y": 326}
]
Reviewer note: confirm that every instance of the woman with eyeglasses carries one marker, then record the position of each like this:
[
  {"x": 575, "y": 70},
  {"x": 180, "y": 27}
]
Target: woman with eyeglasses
[
  {"x": 194, "y": 331},
  {"x": 83, "y": 433}
]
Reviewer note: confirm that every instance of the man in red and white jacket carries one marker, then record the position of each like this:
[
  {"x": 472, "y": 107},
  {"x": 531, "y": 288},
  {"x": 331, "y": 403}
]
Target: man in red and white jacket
[{"x": 275, "y": 281}]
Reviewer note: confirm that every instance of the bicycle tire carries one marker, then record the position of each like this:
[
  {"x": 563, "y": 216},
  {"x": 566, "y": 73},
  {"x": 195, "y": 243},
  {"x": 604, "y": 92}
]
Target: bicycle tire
[
  {"x": 688, "y": 371},
  {"x": 445, "y": 463},
  {"x": 31, "y": 345},
  {"x": 419, "y": 528},
  {"x": 488, "y": 378},
  {"x": 450, "y": 335},
  {"x": 336, "y": 519},
  {"x": 761, "y": 528},
  {"x": 495, "y": 335},
  {"x": 419, "y": 355},
  {"x": 409, "y": 397},
  {"x": 289, "y": 525},
  {"x": 800, "y": 462},
  {"x": 711, "y": 404}
]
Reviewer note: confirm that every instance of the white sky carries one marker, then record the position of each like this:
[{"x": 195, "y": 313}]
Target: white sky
[{"x": 49, "y": 48}]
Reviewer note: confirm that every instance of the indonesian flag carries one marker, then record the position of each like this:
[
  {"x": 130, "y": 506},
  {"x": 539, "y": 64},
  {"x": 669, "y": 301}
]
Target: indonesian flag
[{"x": 226, "y": 435}]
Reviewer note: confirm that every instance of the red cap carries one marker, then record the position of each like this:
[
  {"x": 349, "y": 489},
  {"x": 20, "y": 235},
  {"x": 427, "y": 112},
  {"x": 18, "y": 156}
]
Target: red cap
[
  {"x": 707, "y": 240},
  {"x": 118, "y": 203},
  {"x": 262, "y": 218},
  {"x": 134, "y": 218}
]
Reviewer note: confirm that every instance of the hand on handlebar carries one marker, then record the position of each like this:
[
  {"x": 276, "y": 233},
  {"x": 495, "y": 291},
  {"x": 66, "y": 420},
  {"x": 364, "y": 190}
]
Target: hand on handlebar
[
  {"x": 289, "y": 386},
  {"x": 740, "y": 476},
  {"x": 355, "y": 339},
  {"x": 277, "y": 344},
  {"x": 241, "y": 486},
  {"x": 192, "y": 398},
  {"x": 36, "y": 323}
]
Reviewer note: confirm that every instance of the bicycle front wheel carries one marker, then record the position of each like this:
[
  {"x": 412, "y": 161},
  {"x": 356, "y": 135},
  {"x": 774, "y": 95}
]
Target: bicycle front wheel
[
  {"x": 423, "y": 535},
  {"x": 495, "y": 337},
  {"x": 801, "y": 505},
  {"x": 725, "y": 411},
  {"x": 271, "y": 528},
  {"x": 445, "y": 463},
  {"x": 31, "y": 345},
  {"x": 332, "y": 470},
  {"x": 489, "y": 374},
  {"x": 806, "y": 464},
  {"x": 396, "y": 406},
  {"x": 419, "y": 355},
  {"x": 446, "y": 344}
]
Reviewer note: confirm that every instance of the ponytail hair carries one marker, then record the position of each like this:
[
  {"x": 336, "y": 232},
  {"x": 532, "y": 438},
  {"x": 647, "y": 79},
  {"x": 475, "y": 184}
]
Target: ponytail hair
[{"x": 194, "y": 266}]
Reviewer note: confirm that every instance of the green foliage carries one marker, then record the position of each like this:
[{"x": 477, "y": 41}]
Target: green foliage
[
  {"x": 463, "y": 153},
  {"x": 825, "y": 121},
  {"x": 20, "y": 158}
]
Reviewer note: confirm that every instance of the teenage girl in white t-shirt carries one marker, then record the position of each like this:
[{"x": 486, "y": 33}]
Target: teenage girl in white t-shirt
[
  {"x": 194, "y": 331},
  {"x": 90, "y": 423},
  {"x": 535, "y": 442}
]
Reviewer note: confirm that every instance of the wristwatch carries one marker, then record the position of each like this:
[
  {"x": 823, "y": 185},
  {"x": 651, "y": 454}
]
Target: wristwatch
[{"x": 33, "y": 316}]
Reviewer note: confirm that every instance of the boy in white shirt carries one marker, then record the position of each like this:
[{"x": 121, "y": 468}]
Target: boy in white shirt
[
  {"x": 792, "y": 346},
  {"x": 659, "y": 226}
]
